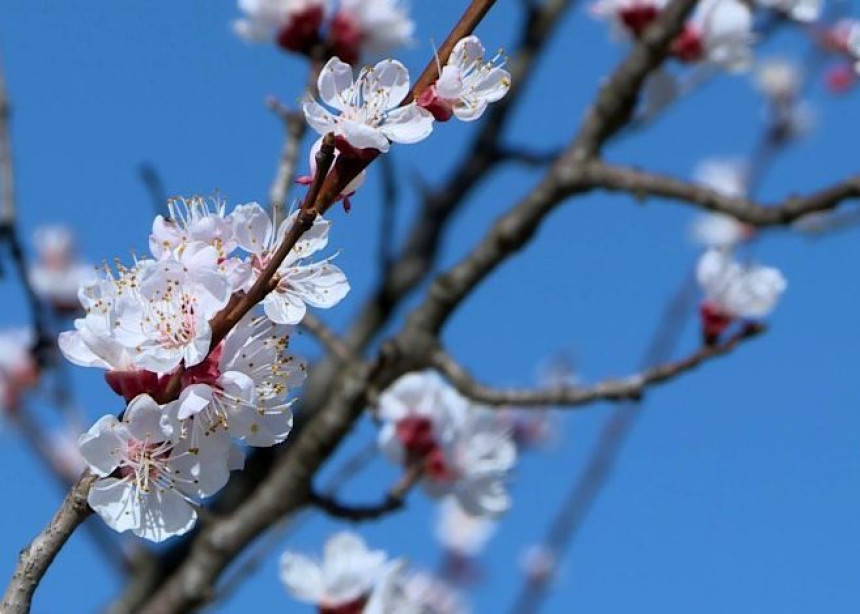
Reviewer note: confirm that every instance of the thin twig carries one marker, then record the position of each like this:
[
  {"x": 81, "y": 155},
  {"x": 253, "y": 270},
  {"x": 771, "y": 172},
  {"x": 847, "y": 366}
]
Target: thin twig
[
  {"x": 393, "y": 501},
  {"x": 628, "y": 388},
  {"x": 327, "y": 337}
]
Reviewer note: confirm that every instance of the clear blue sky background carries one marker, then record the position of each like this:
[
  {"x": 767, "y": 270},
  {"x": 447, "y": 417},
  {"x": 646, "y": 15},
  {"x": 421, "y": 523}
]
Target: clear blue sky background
[{"x": 740, "y": 487}]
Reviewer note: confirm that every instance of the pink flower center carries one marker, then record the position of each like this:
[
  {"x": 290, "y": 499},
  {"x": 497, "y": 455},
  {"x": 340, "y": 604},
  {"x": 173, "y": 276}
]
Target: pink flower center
[
  {"x": 714, "y": 321},
  {"x": 346, "y": 37},
  {"x": 688, "y": 47},
  {"x": 637, "y": 17},
  {"x": 302, "y": 31},
  {"x": 440, "y": 108},
  {"x": 206, "y": 372},
  {"x": 356, "y": 606},
  {"x": 418, "y": 439}
]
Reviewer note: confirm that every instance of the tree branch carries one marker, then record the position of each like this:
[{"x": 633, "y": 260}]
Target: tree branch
[
  {"x": 628, "y": 388},
  {"x": 393, "y": 501},
  {"x": 643, "y": 184}
]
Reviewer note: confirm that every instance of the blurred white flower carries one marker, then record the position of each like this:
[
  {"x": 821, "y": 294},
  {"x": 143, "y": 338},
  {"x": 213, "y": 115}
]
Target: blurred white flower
[
  {"x": 778, "y": 78},
  {"x": 343, "y": 581},
  {"x": 366, "y": 28},
  {"x": 56, "y": 275},
  {"x": 804, "y": 11},
  {"x": 459, "y": 533},
  {"x": 19, "y": 371},
  {"x": 293, "y": 24}
]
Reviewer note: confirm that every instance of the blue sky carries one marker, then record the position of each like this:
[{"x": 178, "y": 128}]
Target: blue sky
[{"x": 739, "y": 489}]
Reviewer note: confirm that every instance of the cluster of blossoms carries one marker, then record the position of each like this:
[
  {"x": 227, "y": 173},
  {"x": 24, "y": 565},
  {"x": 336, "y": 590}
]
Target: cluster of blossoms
[
  {"x": 370, "y": 112},
  {"x": 719, "y": 31},
  {"x": 352, "y": 579},
  {"x": 350, "y": 29},
  {"x": 149, "y": 327},
  {"x": 463, "y": 450}
]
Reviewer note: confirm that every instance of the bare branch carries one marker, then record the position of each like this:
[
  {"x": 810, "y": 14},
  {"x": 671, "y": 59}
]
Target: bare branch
[
  {"x": 643, "y": 184},
  {"x": 628, "y": 388},
  {"x": 393, "y": 501},
  {"x": 294, "y": 131},
  {"x": 35, "y": 559}
]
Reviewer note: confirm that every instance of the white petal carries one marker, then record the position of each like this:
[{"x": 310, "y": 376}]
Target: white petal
[
  {"x": 302, "y": 577},
  {"x": 102, "y": 445},
  {"x": 252, "y": 227},
  {"x": 362, "y": 136},
  {"x": 317, "y": 117},
  {"x": 335, "y": 83},
  {"x": 143, "y": 418},
  {"x": 117, "y": 502},
  {"x": 408, "y": 124},
  {"x": 164, "y": 514}
]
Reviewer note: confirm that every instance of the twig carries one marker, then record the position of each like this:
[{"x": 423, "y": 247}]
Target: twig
[
  {"x": 294, "y": 132},
  {"x": 154, "y": 185},
  {"x": 393, "y": 501},
  {"x": 387, "y": 215},
  {"x": 35, "y": 559},
  {"x": 643, "y": 184},
  {"x": 629, "y": 388}
]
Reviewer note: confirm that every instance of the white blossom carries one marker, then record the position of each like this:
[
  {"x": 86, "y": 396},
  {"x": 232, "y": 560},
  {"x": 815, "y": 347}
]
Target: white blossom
[
  {"x": 724, "y": 29},
  {"x": 18, "y": 369},
  {"x": 627, "y": 17},
  {"x": 149, "y": 480},
  {"x": 241, "y": 388},
  {"x": 738, "y": 290},
  {"x": 363, "y": 28},
  {"x": 319, "y": 284},
  {"x": 778, "y": 78},
  {"x": 345, "y": 577},
  {"x": 369, "y": 112},
  {"x": 413, "y": 592},
  {"x": 56, "y": 275},
  {"x": 805, "y": 11},
  {"x": 467, "y": 83},
  {"x": 464, "y": 450},
  {"x": 265, "y": 20},
  {"x": 460, "y": 533}
]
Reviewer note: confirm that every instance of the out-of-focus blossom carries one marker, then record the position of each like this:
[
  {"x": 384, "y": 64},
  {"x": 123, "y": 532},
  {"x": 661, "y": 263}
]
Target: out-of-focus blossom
[
  {"x": 628, "y": 17},
  {"x": 778, "y": 78},
  {"x": 413, "y": 592},
  {"x": 735, "y": 291},
  {"x": 800, "y": 10},
  {"x": 538, "y": 564},
  {"x": 343, "y": 581},
  {"x": 293, "y": 24},
  {"x": 467, "y": 83},
  {"x": 728, "y": 177},
  {"x": 369, "y": 114},
  {"x": 56, "y": 275},
  {"x": 459, "y": 533},
  {"x": 463, "y": 450},
  {"x": 19, "y": 370},
  {"x": 367, "y": 28},
  {"x": 720, "y": 32}
]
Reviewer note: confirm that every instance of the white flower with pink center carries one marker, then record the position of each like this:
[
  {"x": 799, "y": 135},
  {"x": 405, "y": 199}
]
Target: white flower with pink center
[
  {"x": 467, "y": 83},
  {"x": 149, "y": 481},
  {"x": 459, "y": 533},
  {"x": 18, "y": 369},
  {"x": 402, "y": 591},
  {"x": 365, "y": 28},
  {"x": 735, "y": 291},
  {"x": 192, "y": 220},
  {"x": 342, "y": 582},
  {"x": 166, "y": 320},
  {"x": 56, "y": 275},
  {"x": 301, "y": 283},
  {"x": 627, "y": 17},
  {"x": 804, "y": 11},
  {"x": 720, "y": 32},
  {"x": 241, "y": 388},
  {"x": 292, "y": 24},
  {"x": 462, "y": 450},
  {"x": 369, "y": 114}
]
